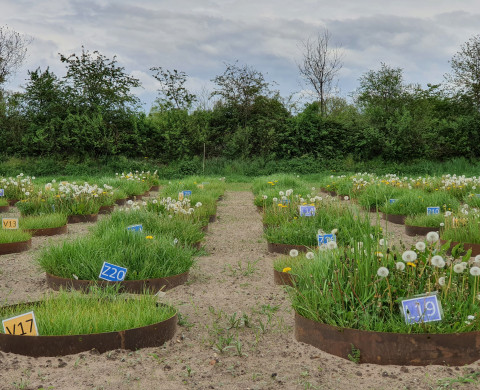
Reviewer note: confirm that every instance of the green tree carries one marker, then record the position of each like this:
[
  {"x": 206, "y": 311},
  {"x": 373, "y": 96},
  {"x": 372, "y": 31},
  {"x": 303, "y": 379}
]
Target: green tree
[
  {"x": 97, "y": 82},
  {"x": 238, "y": 87},
  {"x": 466, "y": 69},
  {"x": 173, "y": 93}
]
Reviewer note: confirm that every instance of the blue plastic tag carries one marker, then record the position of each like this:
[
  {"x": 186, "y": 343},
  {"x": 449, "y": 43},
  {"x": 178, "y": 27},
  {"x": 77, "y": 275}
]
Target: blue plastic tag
[
  {"x": 2, "y": 192},
  {"x": 392, "y": 200},
  {"x": 324, "y": 238},
  {"x": 187, "y": 193},
  {"x": 307, "y": 211},
  {"x": 433, "y": 210},
  {"x": 112, "y": 273},
  {"x": 425, "y": 308},
  {"x": 135, "y": 228}
]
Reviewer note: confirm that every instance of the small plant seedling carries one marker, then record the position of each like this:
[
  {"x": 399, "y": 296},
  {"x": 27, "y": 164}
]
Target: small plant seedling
[
  {"x": 355, "y": 355},
  {"x": 448, "y": 383},
  {"x": 183, "y": 321}
]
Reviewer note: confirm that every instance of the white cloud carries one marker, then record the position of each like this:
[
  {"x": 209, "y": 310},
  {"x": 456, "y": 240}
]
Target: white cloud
[{"x": 198, "y": 37}]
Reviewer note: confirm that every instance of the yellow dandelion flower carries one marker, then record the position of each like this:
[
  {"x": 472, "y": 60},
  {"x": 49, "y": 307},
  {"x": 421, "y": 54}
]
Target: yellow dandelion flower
[
  {"x": 149, "y": 237},
  {"x": 286, "y": 269},
  {"x": 411, "y": 264}
]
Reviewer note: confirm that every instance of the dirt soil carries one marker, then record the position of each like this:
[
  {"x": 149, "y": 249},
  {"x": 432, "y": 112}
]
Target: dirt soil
[{"x": 236, "y": 328}]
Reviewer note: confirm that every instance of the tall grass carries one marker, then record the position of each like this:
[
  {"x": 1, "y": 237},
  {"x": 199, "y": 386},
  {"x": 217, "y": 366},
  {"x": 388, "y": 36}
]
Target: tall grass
[{"x": 74, "y": 313}]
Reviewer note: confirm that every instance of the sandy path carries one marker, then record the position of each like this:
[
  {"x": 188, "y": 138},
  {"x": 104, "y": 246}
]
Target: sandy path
[{"x": 237, "y": 332}]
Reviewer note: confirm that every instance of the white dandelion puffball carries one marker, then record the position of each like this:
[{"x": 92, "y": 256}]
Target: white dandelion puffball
[
  {"x": 409, "y": 256},
  {"x": 475, "y": 271},
  {"x": 332, "y": 245},
  {"x": 334, "y": 231},
  {"x": 441, "y": 281},
  {"x": 129, "y": 202},
  {"x": 274, "y": 200},
  {"x": 264, "y": 197},
  {"x": 288, "y": 192},
  {"x": 346, "y": 198},
  {"x": 310, "y": 255},
  {"x": 458, "y": 268},
  {"x": 432, "y": 237},
  {"x": 477, "y": 259},
  {"x": 322, "y": 248},
  {"x": 470, "y": 318},
  {"x": 400, "y": 266},
  {"x": 281, "y": 193},
  {"x": 448, "y": 213},
  {"x": 382, "y": 242},
  {"x": 294, "y": 253},
  {"x": 437, "y": 261},
  {"x": 382, "y": 272},
  {"x": 420, "y": 246}
]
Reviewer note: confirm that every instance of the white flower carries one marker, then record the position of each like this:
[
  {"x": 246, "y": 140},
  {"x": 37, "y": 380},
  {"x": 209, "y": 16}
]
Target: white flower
[
  {"x": 154, "y": 201},
  {"x": 470, "y": 317},
  {"x": 27, "y": 193},
  {"x": 432, "y": 237},
  {"x": 264, "y": 197},
  {"x": 294, "y": 253},
  {"x": 198, "y": 204},
  {"x": 382, "y": 242},
  {"x": 437, "y": 261},
  {"x": 475, "y": 271},
  {"x": 281, "y": 193},
  {"x": 334, "y": 231},
  {"x": 346, "y": 198},
  {"x": 310, "y": 255},
  {"x": 332, "y": 245},
  {"x": 322, "y": 248},
  {"x": 400, "y": 266},
  {"x": 275, "y": 200},
  {"x": 442, "y": 224},
  {"x": 288, "y": 192},
  {"x": 420, "y": 246},
  {"x": 409, "y": 256},
  {"x": 477, "y": 259},
  {"x": 175, "y": 241},
  {"x": 441, "y": 281},
  {"x": 383, "y": 272},
  {"x": 458, "y": 268},
  {"x": 130, "y": 202},
  {"x": 448, "y": 213}
]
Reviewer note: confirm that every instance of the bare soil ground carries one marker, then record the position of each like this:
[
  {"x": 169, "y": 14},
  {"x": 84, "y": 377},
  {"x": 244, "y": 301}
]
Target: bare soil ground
[{"x": 236, "y": 328}]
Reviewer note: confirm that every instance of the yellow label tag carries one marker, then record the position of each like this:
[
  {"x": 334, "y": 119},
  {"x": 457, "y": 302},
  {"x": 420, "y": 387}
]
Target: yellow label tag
[
  {"x": 10, "y": 223},
  {"x": 22, "y": 325},
  {"x": 180, "y": 196}
]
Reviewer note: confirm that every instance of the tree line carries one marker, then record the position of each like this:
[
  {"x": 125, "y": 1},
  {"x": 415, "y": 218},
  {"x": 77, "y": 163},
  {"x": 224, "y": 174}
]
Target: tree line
[{"x": 92, "y": 111}]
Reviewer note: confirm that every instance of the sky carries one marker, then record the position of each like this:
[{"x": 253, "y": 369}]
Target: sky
[{"x": 199, "y": 37}]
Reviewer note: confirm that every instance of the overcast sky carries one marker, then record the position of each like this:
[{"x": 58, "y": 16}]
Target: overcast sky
[{"x": 200, "y": 36}]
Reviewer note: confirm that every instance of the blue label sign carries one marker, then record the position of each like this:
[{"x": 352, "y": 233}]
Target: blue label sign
[
  {"x": 421, "y": 309},
  {"x": 285, "y": 201},
  {"x": 135, "y": 228},
  {"x": 324, "y": 238},
  {"x": 187, "y": 193},
  {"x": 433, "y": 210},
  {"x": 2, "y": 192},
  {"x": 391, "y": 201},
  {"x": 112, "y": 273},
  {"x": 307, "y": 211}
]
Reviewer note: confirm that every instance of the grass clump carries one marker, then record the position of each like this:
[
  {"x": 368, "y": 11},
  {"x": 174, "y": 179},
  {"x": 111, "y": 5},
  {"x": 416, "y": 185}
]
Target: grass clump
[
  {"x": 100, "y": 311},
  {"x": 43, "y": 221},
  {"x": 145, "y": 256},
  {"x": 9, "y": 236}
]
